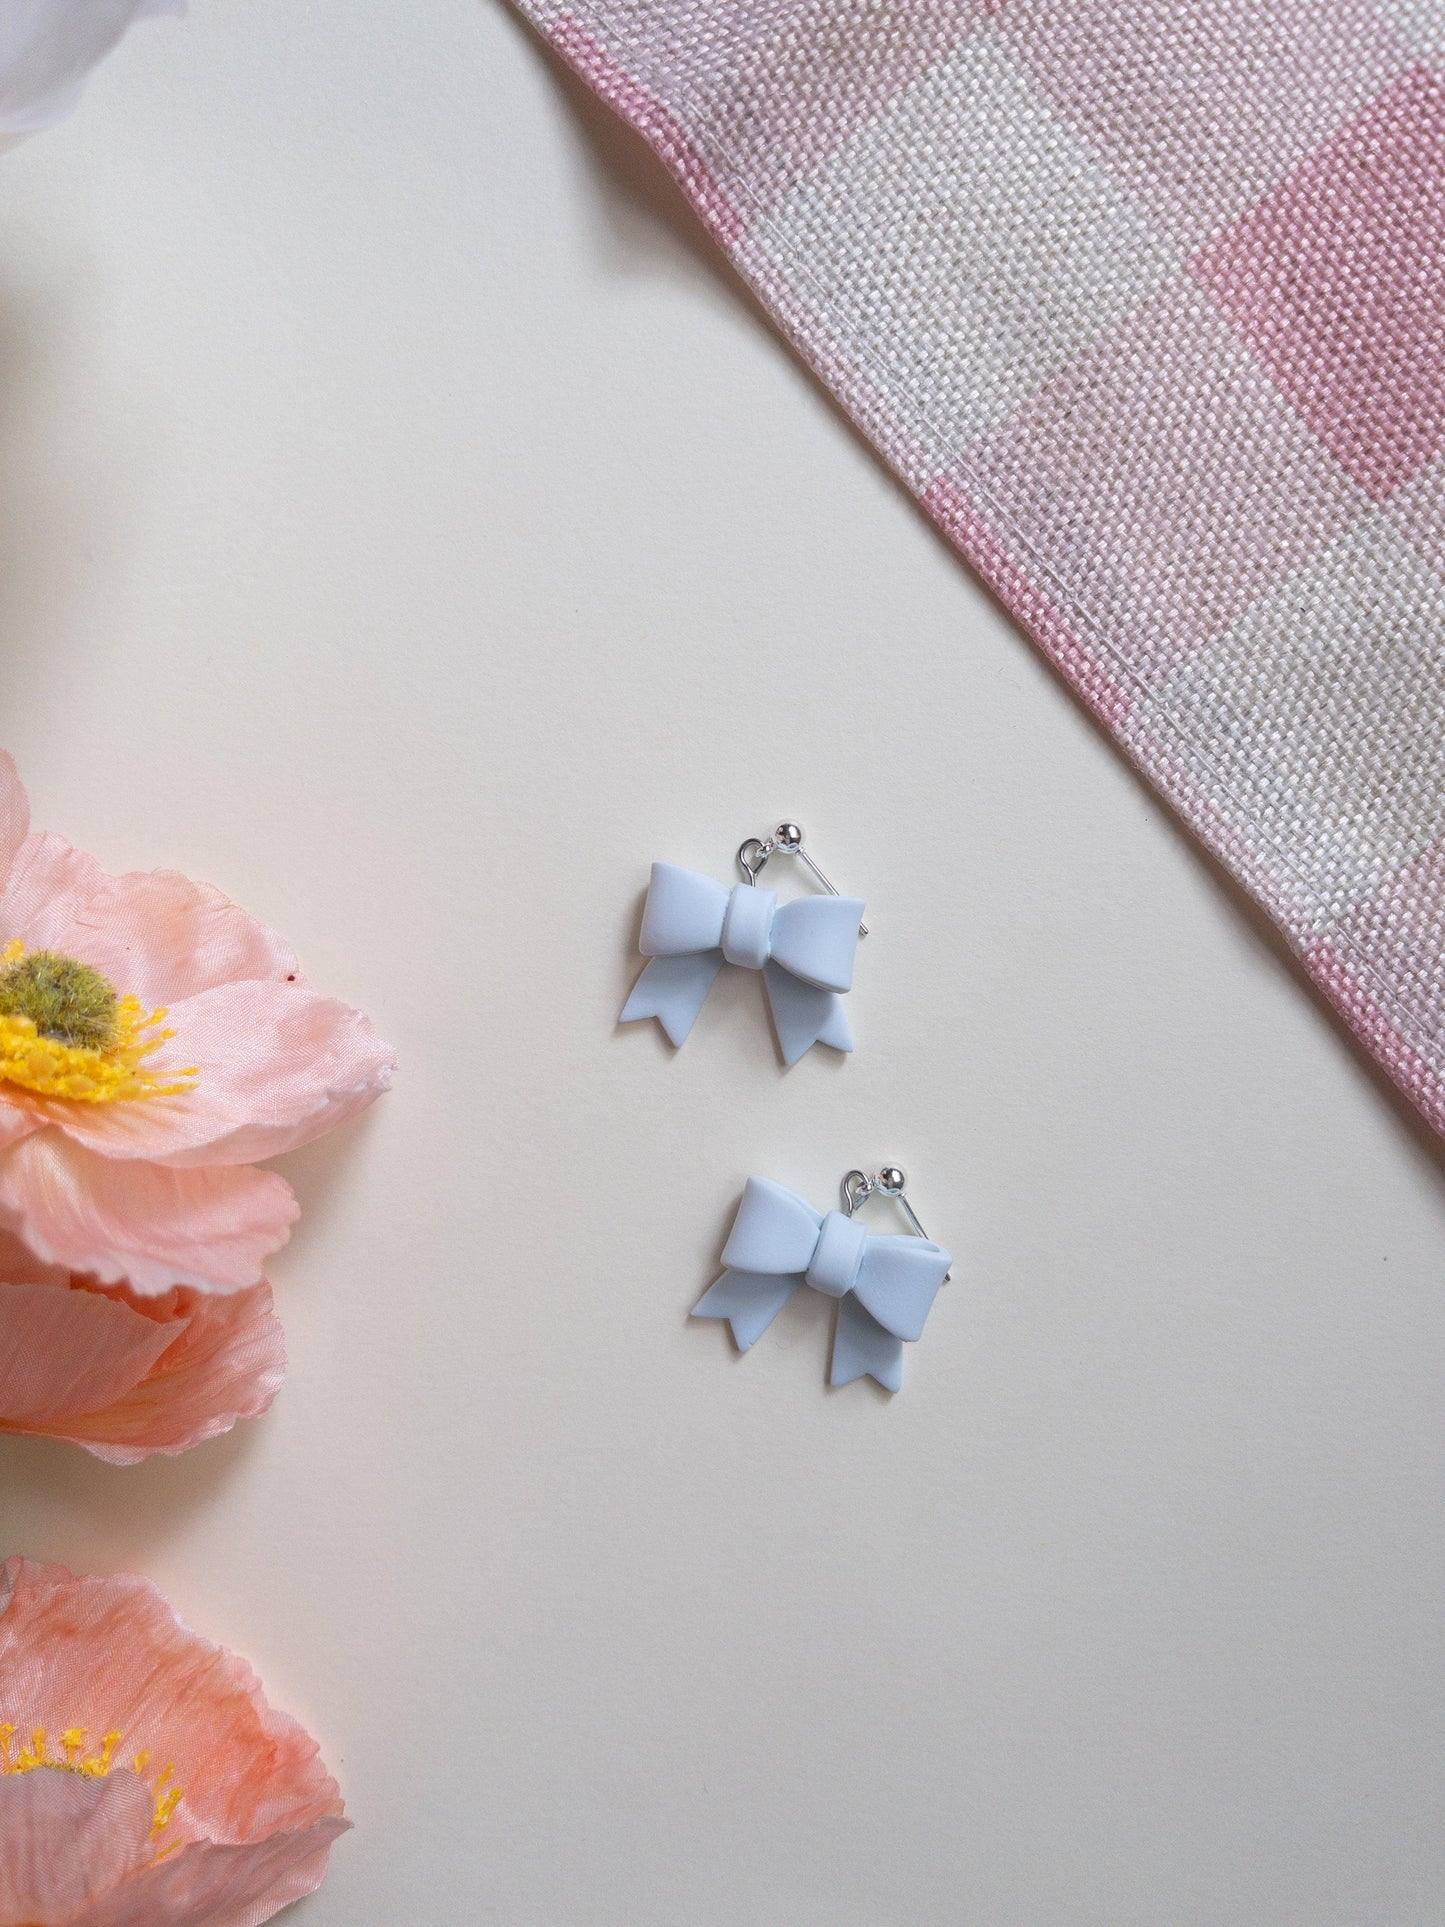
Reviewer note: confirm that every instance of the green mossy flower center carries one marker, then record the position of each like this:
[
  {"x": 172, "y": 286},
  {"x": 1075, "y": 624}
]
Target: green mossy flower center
[{"x": 63, "y": 998}]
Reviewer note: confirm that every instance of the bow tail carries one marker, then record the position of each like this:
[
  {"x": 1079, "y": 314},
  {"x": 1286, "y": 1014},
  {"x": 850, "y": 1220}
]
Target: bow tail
[
  {"x": 864, "y": 1348},
  {"x": 748, "y": 1300},
  {"x": 804, "y": 1015},
  {"x": 673, "y": 989}
]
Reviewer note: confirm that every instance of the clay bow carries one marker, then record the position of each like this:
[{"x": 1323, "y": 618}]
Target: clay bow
[
  {"x": 691, "y": 926},
  {"x": 885, "y": 1287}
]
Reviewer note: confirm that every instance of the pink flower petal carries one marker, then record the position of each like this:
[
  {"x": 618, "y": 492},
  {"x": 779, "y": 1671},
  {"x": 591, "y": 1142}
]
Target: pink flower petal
[
  {"x": 65, "y": 1842},
  {"x": 278, "y": 1066},
  {"x": 20, "y": 1266},
  {"x": 162, "y": 937},
  {"x": 126, "y": 1220},
  {"x": 49, "y": 883},
  {"x": 65, "y": 1352},
  {"x": 126, "y": 1376},
  {"x": 153, "y": 933},
  {"x": 110, "y": 1655},
  {"x": 17, "y": 1119},
  {"x": 14, "y": 814},
  {"x": 221, "y": 1886},
  {"x": 226, "y": 1363}
]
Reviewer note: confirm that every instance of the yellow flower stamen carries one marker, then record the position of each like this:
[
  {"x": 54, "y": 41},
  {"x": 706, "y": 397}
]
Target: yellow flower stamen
[
  {"x": 71, "y": 1758},
  {"x": 166, "y": 1804},
  {"x": 88, "y": 1073}
]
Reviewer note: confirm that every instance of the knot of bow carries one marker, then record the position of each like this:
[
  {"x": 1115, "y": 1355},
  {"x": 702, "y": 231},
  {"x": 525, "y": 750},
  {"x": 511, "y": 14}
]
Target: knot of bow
[
  {"x": 885, "y": 1287},
  {"x": 692, "y": 926}
]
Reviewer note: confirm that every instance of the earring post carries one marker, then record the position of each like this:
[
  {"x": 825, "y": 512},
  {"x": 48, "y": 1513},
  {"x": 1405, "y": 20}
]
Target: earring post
[
  {"x": 858, "y": 1187},
  {"x": 786, "y": 840}
]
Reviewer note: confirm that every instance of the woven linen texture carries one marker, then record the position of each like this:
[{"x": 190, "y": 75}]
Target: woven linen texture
[{"x": 1145, "y": 301}]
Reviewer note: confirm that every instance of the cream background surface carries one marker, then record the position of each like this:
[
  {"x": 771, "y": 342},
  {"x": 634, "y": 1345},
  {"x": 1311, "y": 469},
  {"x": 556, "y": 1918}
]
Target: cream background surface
[{"x": 405, "y": 523}]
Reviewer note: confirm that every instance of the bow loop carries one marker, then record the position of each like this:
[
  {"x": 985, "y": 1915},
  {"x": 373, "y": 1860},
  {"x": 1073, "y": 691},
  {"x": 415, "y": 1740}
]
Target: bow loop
[
  {"x": 898, "y": 1281},
  {"x": 775, "y": 1231},
  {"x": 683, "y": 914},
  {"x": 816, "y": 938}
]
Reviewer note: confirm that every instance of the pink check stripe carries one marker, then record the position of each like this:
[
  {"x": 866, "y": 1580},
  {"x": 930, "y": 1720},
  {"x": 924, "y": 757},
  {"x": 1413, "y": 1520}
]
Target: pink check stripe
[{"x": 1146, "y": 305}]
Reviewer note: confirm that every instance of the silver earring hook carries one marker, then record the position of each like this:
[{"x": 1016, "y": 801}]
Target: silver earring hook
[
  {"x": 858, "y": 1187},
  {"x": 786, "y": 840}
]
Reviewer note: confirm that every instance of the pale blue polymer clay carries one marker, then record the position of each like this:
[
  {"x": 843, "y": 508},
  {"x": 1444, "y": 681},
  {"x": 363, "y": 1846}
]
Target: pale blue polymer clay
[
  {"x": 885, "y": 1287},
  {"x": 692, "y": 926}
]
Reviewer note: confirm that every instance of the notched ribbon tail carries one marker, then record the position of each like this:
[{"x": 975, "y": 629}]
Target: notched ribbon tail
[
  {"x": 748, "y": 1300},
  {"x": 804, "y": 1015},
  {"x": 673, "y": 990},
  {"x": 864, "y": 1348}
]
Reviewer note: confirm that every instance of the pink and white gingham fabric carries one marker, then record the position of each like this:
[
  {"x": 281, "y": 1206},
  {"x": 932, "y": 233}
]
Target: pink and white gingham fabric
[{"x": 1145, "y": 300}]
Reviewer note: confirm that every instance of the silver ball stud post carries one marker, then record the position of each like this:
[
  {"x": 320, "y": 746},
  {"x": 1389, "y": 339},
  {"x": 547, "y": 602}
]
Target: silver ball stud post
[
  {"x": 891, "y": 1181},
  {"x": 788, "y": 838}
]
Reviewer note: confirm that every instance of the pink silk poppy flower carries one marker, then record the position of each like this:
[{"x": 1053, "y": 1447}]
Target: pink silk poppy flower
[
  {"x": 123, "y": 1375},
  {"x": 144, "y": 1781},
  {"x": 155, "y": 1043}
]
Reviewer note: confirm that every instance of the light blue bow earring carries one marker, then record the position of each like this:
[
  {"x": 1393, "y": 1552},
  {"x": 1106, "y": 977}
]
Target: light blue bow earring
[
  {"x": 885, "y": 1287},
  {"x": 692, "y": 926}
]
